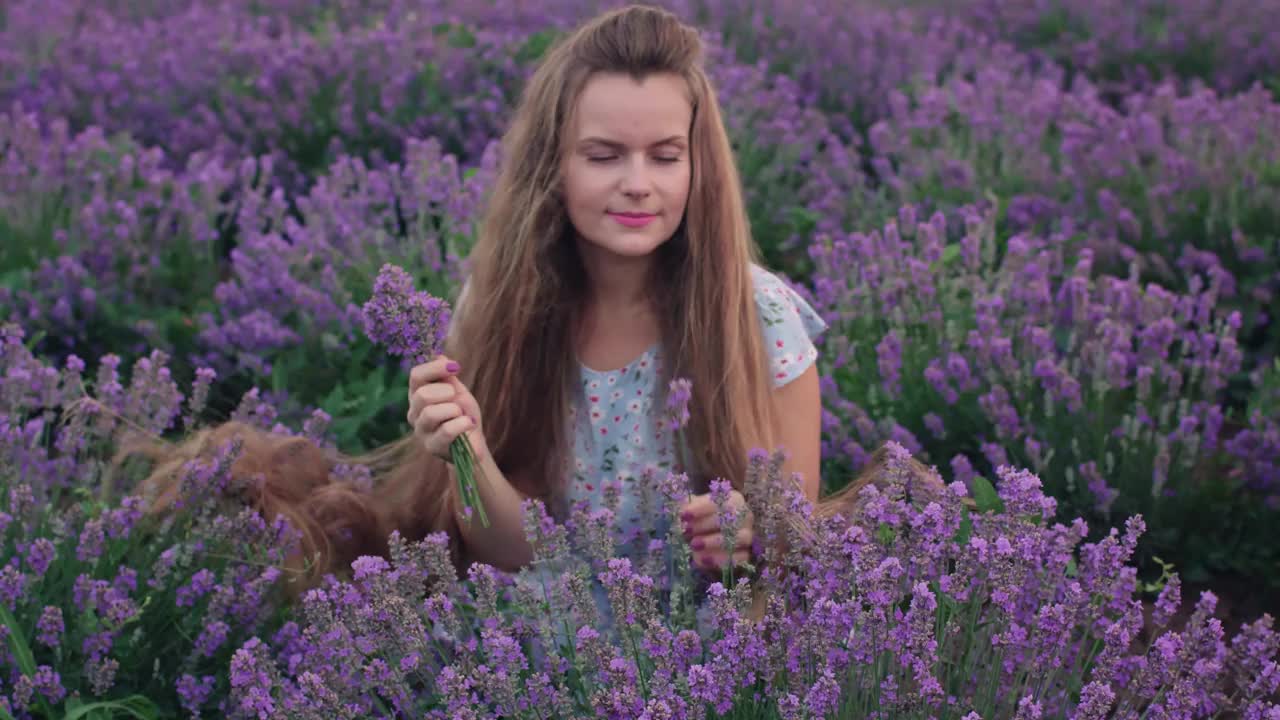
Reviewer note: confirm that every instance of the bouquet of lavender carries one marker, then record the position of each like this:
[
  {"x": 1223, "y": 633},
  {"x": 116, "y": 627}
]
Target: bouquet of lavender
[{"x": 413, "y": 324}]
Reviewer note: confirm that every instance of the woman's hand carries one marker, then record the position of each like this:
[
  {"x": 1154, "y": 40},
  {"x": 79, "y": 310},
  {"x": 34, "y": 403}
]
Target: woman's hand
[
  {"x": 701, "y": 521},
  {"x": 441, "y": 408}
]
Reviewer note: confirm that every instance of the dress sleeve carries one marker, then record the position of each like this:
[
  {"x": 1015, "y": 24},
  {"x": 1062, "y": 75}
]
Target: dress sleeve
[{"x": 790, "y": 326}]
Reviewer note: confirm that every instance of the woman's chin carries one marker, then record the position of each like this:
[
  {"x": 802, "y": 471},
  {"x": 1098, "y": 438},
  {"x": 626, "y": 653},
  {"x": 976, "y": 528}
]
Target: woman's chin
[{"x": 630, "y": 244}]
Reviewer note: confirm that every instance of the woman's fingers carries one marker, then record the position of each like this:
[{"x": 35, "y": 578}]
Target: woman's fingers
[
  {"x": 440, "y": 425},
  {"x": 438, "y": 414},
  {"x": 429, "y": 372},
  {"x": 719, "y": 560},
  {"x": 440, "y": 406},
  {"x": 428, "y": 395},
  {"x": 701, "y": 526},
  {"x": 700, "y": 515},
  {"x": 464, "y": 398},
  {"x": 714, "y": 541},
  {"x": 709, "y": 552}
]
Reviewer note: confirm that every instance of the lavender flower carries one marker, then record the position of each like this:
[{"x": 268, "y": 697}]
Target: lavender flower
[
  {"x": 678, "y": 395},
  {"x": 414, "y": 324},
  {"x": 194, "y": 693},
  {"x": 40, "y": 555},
  {"x": 50, "y": 627},
  {"x": 408, "y": 322}
]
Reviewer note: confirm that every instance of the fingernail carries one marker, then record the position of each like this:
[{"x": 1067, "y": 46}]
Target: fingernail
[
  {"x": 698, "y": 544},
  {"x": 686, "y": 516},
  {"x": 453, "y": 367}
]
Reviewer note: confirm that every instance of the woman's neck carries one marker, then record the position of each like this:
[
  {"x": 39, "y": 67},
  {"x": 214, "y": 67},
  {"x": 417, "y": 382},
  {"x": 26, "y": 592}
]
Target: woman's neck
[{"x": 617, "y": 287}]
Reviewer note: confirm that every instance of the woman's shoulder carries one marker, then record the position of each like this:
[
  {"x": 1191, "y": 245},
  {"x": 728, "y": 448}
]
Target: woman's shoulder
[
  {"x": 788, "y": 323},
  {"x": 778, "y": 301}
]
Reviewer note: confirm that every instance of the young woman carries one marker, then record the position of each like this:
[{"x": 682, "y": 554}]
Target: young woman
[{"x": 615, "y": 255}]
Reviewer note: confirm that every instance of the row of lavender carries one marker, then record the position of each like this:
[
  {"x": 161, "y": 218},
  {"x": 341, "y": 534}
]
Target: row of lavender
[
  {"x": 144, "y": 64},
  {"x": 934, "y": 107},
  {"x": 923, "y": 608},
  {"x": 934, "y": 111}
]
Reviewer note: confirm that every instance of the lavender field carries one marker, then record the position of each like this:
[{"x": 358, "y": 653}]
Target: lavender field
[{"x": 1045, "y": 236}]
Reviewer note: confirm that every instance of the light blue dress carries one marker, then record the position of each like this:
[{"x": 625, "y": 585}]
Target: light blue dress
[
  {"x": 617, "y": 432},
  {"x": 613, "y": 415}
]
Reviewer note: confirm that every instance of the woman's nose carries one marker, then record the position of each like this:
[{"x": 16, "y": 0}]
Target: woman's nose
[{"x": 636, "y": 182}]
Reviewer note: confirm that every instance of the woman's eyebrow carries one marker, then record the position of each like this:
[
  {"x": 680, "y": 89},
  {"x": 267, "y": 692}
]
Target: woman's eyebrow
[{"x": 613, "y": 144}]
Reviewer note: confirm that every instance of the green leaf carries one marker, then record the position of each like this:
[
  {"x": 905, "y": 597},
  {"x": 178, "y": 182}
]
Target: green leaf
[
  {"x": 1273, "y": 84},
  {"x": 21, "y": 650},
  {"x": 136, "y": 706},
  {"x": 279, "y": 376},
  {"x": 965, "y": 530},
  {"x": 376, "y": 397},
  {"x": 950, "y": 253},
  {"x": 536, "y": 46},
  {"x": 458, "y": 36},
  {"x": 985, "y": 495},
  {"x": 334, "y": 400},
  {"x": 804, "y": 219},
  {"x": 18, "y": 643},
  {"x": 884, "y": 534}
]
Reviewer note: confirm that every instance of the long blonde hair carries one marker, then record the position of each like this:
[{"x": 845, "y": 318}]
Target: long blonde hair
[
  {"x": 527, "y": 281},
  {"x": 515, "y": 336}
]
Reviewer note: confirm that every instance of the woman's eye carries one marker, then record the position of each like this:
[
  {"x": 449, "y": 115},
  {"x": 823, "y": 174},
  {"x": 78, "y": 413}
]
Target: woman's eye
[{"x": 608, "y": 158}]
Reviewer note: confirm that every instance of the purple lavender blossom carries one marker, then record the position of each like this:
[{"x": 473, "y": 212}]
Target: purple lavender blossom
[
  {"x": 679, "y": 394},
  {"x": 409, "y": 323},
  {"x": 40, "y": 555},
  {"x": 49, "y": 627}
]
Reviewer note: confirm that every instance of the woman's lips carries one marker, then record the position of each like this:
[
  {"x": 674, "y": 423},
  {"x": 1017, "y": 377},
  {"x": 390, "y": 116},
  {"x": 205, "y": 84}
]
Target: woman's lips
[{"x": 633, "y": 220}]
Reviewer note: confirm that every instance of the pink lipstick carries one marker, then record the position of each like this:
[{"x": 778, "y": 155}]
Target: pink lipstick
[{"x": 633, "y": 220}]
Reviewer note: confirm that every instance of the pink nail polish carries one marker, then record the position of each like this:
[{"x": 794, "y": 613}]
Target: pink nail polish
[
  {"x": 698, "y": 544},
  {"x": 453, "y": 367}
]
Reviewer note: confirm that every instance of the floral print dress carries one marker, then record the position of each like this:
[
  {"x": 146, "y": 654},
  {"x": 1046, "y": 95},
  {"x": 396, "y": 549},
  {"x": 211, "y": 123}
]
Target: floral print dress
[
  {"x": 617, "y": 435},
  {"x": 612, "y": 415}
]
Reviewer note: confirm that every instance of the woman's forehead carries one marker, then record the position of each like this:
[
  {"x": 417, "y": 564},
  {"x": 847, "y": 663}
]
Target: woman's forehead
[{"x": 618, "y": 109}]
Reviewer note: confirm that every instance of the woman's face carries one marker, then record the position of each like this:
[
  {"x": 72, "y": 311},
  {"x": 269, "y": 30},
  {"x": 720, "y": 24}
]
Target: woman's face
[{"x": 627, "y": 170}]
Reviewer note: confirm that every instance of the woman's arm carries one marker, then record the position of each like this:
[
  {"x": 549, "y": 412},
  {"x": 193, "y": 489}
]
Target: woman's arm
[
  {"x": 798, "y": 428},
  {"x": 502, "y": 544}
]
